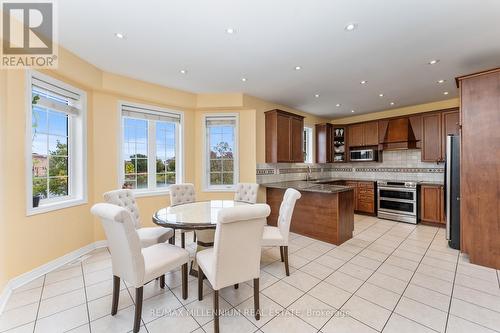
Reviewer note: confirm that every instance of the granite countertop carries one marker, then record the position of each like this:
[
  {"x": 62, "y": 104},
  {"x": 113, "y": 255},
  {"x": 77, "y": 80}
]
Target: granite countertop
[{"x": 308, "y": 186}]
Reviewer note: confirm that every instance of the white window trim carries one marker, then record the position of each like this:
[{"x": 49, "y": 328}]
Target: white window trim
[
  {"x": 179, "y": 150},
  {"x": 236, "y": 166},
  {"x": 310, "y": 157},
  {"x": 77, "y": 176}
]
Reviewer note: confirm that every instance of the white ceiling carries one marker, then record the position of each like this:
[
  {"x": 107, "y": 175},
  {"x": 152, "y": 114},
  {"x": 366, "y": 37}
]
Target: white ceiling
[{"x": 390, "y": 48}]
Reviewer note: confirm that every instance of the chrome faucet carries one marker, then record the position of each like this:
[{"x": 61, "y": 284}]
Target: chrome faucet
[{"x": 308, "y": 176}]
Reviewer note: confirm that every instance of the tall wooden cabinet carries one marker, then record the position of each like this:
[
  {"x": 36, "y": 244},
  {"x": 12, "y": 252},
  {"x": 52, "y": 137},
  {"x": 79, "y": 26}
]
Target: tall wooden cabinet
[
  {"x": 324, "y": 143},
  {"x": 284, "y": 137},
  {"x": 479, "y": 167}
]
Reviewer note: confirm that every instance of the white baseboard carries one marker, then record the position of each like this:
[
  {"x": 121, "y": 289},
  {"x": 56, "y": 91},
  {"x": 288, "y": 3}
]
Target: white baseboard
[{"x": 44, "y": 269}]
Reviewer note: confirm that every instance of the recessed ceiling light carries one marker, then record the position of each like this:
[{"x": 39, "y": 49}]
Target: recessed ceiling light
[
  {"x": 316, "y": 95},
  {"x": 352, "y": 111},
  {"x": 298, "y": 68},
  {"x": 350, "y": 27},
  {"x": 230, "y": 31},
  {"x": 433, "y": 61},
  {"x": 441, "y": 81},
  {"x": 445, "y": 93},
  {"x": 392, "y": 103},
  {"x": 338, "y": 105},
  {"x": 183, "y": 71},
  {"x": 244, "y": 79},
  {"x": 364, "y": 82},
  {"x": 119, "y": 35},
  {"x": 380, "y": 95}
]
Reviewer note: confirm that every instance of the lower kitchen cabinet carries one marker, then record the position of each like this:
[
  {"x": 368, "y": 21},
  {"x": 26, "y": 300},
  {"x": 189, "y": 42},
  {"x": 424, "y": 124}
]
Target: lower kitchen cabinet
[
  {"x": 364, "y": 196},
  {"x": 432, "y": 204}
]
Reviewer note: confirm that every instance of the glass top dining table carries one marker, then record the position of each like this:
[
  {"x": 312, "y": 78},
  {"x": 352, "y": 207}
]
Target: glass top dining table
[{"x": 195, "y": 216}]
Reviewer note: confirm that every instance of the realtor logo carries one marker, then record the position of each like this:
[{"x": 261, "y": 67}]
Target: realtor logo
[{"x": 28, "y": 33}]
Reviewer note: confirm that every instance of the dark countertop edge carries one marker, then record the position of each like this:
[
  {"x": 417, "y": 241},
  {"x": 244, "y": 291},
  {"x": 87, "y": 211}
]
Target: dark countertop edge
[{"x": 327, "y": 188}]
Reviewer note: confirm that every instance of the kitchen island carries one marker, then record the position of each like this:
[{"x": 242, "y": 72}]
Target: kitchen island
[{"x": 324, "y": 212}]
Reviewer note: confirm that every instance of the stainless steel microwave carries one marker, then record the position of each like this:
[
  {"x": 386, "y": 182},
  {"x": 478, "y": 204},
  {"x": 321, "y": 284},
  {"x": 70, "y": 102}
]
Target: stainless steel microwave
[{"x": 363, "y": 155}]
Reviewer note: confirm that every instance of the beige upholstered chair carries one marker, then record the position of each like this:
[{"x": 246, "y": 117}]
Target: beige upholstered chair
[
  {"x": 235, "y": 257},
  {"x": 132, "y": 263},
  {"x": 278, "y": 236},
  {"x": 181, "y": 194},
  {"x": 147, "y": 235},
  {"x": 246, "y": 192}
]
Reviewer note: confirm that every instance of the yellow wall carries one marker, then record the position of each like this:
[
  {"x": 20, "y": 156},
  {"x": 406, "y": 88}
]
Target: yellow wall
[
  {"x": 3, "y": 222},
  {"x": 440, "y": 105}
]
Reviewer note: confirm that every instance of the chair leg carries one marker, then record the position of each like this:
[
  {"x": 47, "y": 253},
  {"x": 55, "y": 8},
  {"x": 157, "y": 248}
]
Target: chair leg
[
  {"x": 285, "y": 254},
  {"x": 236, "y": 286},
  {"x": 172, "y": 239},
  {"x": 281, "y": 254},
  {"x": 162, "y": 282},
  {"x": 183, "y": 240},
  {"x": 216, "y": 311},
  {"x": 256, "y": 302},
  {"x": 138, "y": 308},
  {"x": 116, "y": 295},
  {"x": 194, "y": 236},
  {"x": 200, "y": 284},
  {"x": 185, "y": 281}
]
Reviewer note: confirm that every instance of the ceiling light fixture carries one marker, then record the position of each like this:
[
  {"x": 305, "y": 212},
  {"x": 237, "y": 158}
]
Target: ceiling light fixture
[
  {"x": 445, "y": 93},
  {"x": 364, "y": 82},
  {"x": 298, "y": 68},
  {"x": 350, "y": 27},
  {"x": 119, "y": 35},
  {"x": 380, "y": 95},
  {"x": 244, "y": 79},
  {"x": 316, "y": 95},
  {"x": 230, "y": 31},
  {"x": 338, "y": 105},
  {"x": 352, "y": 111},
  {"x": 441, "y": 81},
  {"x": 183, "y": 71},
  {"x": 392, "y": 103},
  {"x": 433, "y": 61}
]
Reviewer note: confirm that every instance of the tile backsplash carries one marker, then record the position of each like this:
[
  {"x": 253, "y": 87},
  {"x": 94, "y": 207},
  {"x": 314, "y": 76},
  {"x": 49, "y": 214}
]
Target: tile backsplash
[{"x": 395, "y": 165}]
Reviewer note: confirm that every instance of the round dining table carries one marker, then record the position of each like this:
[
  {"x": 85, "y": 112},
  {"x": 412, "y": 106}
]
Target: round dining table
[{"x": 200, "y": 216}]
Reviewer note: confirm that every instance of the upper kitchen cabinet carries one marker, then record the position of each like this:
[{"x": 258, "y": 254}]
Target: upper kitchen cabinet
[
  {"x": 364, "y": 134},
  {"x": 435, "y": 127},
  {"x": 284, "y": 137},
  {"x": 324, "y": 143},
  {"x": 431, "y": 137}
]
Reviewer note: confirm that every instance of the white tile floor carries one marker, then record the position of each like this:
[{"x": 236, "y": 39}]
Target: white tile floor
[{"x": 391, "y": 277}]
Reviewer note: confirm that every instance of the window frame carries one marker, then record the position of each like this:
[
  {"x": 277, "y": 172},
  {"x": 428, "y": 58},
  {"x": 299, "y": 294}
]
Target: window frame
[
  {"x": 151, "y": 148},
  {"x": 309, "y": 155},
  {"x": 77, "y": 151},
  {"x": 206, "y": 159}
]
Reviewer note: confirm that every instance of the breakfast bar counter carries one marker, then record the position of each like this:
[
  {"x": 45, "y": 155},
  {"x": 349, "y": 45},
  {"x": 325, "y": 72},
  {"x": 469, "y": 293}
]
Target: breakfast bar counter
[{"x": 324, "y": 212}]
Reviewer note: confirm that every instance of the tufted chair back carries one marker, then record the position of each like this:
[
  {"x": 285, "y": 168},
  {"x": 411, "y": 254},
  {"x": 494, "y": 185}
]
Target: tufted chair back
[
  {"x": 124, "y": 198},
  {"x": 286, "y": 211},
  {"x": 246, "y": 192},
  {"x": 181, "y": 194},
  {"x": 237, "y": 242},
  {"x": 123, "y": 242}
]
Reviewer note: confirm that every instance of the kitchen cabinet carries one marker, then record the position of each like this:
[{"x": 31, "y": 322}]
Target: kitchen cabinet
[
  {"x": 284, "y": 137},
  {"x": 479, "y": 167},
  {"x": 364, "y": 196},
  {"x": 324, "y": 143},
  {"x": 432, "y": 204},
  {"x": 416, "y": 126},
  {"x": 435, "y": 127},
  {"x": 364, "y": 134},
  {"x": 431, "y": 137}
]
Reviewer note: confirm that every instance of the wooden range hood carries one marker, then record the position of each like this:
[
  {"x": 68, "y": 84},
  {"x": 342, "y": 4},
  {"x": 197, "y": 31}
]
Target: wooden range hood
[{"x": 399, "y": 135}]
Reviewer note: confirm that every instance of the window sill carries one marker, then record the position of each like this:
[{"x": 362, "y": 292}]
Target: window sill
[
  {"x": 220, "y": 189},
  {"x": 53, "y": 206},
  {"x": 156, "y": 193}
]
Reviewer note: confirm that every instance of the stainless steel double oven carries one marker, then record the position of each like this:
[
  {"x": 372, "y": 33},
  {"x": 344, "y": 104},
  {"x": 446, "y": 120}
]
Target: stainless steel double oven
[{"x": 397, "y": 201}]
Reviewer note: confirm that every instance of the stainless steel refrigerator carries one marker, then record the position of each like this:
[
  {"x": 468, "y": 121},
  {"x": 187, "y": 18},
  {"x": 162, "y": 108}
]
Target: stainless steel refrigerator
[{"x": 452, "y": 190}]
